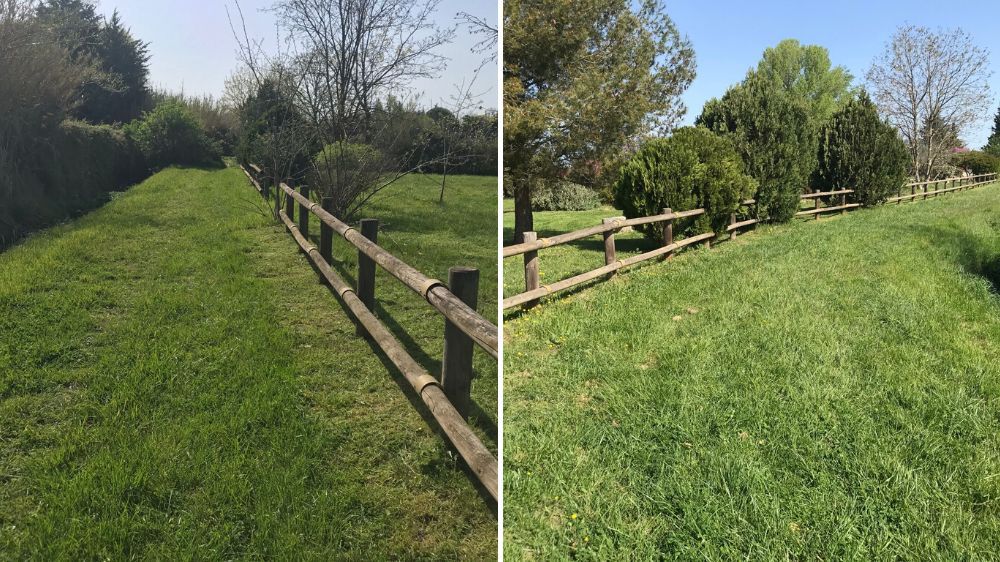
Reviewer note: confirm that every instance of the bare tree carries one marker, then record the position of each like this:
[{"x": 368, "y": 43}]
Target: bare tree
[
  {"x": 341, "y": 57},
  {"x": 488, "y": 34},
  {"x": 930, "y": 84}
]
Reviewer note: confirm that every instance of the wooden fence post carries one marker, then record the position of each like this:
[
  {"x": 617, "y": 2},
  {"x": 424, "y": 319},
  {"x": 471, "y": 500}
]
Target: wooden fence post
[
  {"x": 843, "y": 203},
  {"x": 366, "y": 269},
  {"x": 531, "y": 277},
  {"x": 732, "y": 221},
  {"x": 326, "y": 233},
  {"x": 925, "y": 190},
  {"x": 610, "y": 255},
  {"x": 668, "y": 233},
  {"x": 304, "y": 212},
  {"x": 277, "y": 197},
  {"x": 456, "y": 363},
  {"x": 290, "y": 206},
  {"x": 817, "y": 203}
]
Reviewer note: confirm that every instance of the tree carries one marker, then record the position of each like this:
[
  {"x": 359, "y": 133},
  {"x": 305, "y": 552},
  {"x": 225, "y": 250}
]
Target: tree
[
  {"x": 341, "y": 57},
  {"x": 927, "y": 79},
  {"x": 771, "y": 130},
  {"x": 693, "y": 168},
  {"x": 860, "y": 151},
  {"x": 581, "y": 80},
  {"x": 993, "y": 143},
  {"x": 116, "y": 92},
  {"x": 805, "y": 72},
  {"x": 125, "y": 61}
]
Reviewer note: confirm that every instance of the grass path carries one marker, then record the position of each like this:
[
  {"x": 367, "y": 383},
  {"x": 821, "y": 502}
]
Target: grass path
[
  {"x": 820, "y": 390},
  {"x": 176, "y": 384}
]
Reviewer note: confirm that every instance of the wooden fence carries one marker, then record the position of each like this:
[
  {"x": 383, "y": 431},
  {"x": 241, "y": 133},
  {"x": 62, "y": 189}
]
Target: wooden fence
[
  {"x": 448, "y": 397},
  {"x": 836, "y": 203}
]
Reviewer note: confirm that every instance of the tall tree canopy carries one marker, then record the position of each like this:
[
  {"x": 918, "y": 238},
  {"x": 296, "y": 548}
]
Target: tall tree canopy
[
  {"x": 117, "y": 91},
  {"x": 805, "y": 72},
  {"x": 930, "y": 85},
  {"x": 582, "y": 79}
]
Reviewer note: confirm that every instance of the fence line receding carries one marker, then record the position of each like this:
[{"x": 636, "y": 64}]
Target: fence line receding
[
  {"x": 836, "y": 202},
  {"x": 447, "y": 397}
]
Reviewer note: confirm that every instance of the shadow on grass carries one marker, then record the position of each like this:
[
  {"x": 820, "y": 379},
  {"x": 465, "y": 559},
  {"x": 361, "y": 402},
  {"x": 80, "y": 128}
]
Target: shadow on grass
[
  {"x": 478, "y": 417},
  {"x": 975, "y": 254}
]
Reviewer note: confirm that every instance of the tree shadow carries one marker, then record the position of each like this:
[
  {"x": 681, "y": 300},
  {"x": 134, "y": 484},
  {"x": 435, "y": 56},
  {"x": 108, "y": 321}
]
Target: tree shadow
[{"x": 976, "y": 254}]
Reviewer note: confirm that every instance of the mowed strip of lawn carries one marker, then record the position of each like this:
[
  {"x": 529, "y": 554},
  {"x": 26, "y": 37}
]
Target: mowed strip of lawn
[
  {"x": 819, "y": 390},
  {"x": 176, "y": 384}
]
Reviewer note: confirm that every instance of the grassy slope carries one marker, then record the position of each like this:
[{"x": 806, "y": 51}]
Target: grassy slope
[
  {"x": 175, "y": 383},
  {"x": 820, "y": 390}
]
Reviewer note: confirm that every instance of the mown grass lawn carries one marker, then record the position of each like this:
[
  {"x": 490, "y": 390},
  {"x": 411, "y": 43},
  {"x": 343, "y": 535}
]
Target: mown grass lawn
[
  {"x": 176, "y": 384},
  {"x": 821, "y": 390}
]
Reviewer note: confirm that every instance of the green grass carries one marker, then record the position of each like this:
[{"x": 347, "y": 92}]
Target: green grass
[
  {"x": 176, "y": 384},
  {"x": 819, "y": 390}
]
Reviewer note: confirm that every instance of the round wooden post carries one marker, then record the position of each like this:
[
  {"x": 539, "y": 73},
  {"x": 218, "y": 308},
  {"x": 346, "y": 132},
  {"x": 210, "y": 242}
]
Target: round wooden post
[
  {"x": 366, "y": 269},
  {"x": 531, "y": 277},
  {"x": 304, "y": 212},
  {"x": 843, "y": 203},
  {"x": 817, "y": 203},
  {"x": 290, "y": 206},
  {"x": 610, "y": 255},
  {"x": 326, "y": 233},
  {"x": 732, "y": 221},
  {"x": 668, "y": 232},
  {"x": 456, "y": 363},
  {"x": 277, "y": 196}
]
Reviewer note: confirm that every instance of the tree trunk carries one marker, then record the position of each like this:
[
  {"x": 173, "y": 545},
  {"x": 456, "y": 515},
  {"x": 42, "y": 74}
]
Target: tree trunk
[{"x": 523, "y": 221}]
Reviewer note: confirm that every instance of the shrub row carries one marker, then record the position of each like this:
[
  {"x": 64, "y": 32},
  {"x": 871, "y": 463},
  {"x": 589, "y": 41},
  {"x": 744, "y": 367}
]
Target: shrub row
[{"x": 698, "y": 167}]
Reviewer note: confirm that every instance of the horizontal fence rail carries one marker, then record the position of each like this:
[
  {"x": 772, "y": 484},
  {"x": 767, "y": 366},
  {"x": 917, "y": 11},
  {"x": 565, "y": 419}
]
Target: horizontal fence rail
[
  {"x": 530, "y": 246},
  {"x": 956, "y": 184},
  {"x": 481, "y": 330},
  {"x": 447, "y": 399}
]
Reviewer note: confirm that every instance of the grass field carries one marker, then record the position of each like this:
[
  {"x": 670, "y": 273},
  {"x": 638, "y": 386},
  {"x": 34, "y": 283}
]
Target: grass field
[
  {"x": 820, "y": 390},
  {"x": 176, "y": 384}
]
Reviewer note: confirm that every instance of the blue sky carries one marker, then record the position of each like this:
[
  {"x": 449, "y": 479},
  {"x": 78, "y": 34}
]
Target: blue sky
[
  {"x": 192, "y": 46},
  {"x": 729, "y": 37}
]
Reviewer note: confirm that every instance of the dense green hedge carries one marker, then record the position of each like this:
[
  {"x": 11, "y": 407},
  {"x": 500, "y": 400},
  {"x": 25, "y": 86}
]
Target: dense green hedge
[{"x": 71, "y": 173}]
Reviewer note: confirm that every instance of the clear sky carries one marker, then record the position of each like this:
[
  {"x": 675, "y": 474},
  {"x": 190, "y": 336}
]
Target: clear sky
[
  {"x": 730, "y": 37},
  {"x": 192, "y": 45}
]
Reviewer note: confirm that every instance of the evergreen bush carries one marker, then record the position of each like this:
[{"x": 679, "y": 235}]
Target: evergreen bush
[{"x": 693, "y": 168}]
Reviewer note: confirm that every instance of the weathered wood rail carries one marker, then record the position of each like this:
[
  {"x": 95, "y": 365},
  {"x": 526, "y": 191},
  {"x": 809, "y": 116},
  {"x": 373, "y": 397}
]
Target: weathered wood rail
[
  {"x": 448, "y": 397},
  {"x": 951, "y": 184},
  {"x": 530, "y": 246}
]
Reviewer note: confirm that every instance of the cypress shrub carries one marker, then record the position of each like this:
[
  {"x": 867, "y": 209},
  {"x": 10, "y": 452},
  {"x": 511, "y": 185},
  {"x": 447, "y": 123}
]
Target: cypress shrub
[
  {"x": 860, "y": 151},
  {"x": 772, "y": 131},
  {"x": 693, "y": 168}
]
